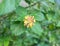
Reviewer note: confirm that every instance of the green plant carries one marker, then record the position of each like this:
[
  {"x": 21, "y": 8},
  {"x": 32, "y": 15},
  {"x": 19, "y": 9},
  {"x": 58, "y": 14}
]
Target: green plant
[{"x": 35, "y": 23}]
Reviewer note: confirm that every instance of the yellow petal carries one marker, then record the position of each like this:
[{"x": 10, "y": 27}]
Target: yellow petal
[
  {"x": 26, "y": 17},
  {"x": 31, "y": 24},
  {"x": 34, "y": 20},
  {"x": 25, "y": 21}
]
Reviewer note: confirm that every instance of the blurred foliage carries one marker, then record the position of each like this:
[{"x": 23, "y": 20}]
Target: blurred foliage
[{"x": 44, "y": 32}]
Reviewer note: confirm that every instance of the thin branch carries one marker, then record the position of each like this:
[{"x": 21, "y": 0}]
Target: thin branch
[{"x": 32, "y": 4}]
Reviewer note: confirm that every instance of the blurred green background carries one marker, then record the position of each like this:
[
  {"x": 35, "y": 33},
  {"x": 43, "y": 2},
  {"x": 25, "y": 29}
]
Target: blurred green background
[{"x": 44, "y": 32}]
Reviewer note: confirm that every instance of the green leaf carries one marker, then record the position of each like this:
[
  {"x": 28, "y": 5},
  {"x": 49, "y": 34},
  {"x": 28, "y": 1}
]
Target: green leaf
[
  {"x": 37, "y": 29},
  {"x": 58, "y": 24},
  {"x": 53, "y": 1},
  {"x": 17, "y": 28},
  {"x": 21, "y": 13},
  {"x": 18, "y": 42},
  {"x": 42, "y": 44},
  {"x": 6, "y": 42},
  {"x": 1, "y": 43},
  {"x": 38, "y": 15},
  {"x": 7, "y": 6}
]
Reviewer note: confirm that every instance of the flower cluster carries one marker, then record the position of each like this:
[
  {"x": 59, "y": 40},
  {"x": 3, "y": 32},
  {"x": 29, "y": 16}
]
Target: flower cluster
[{"x": 29, "y": 21}]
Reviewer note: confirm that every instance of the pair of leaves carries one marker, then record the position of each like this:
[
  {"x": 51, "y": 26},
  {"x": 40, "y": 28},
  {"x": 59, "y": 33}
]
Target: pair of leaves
[
  {"x": 22, "y": 12},
  {"x": 18, "y": 29}
]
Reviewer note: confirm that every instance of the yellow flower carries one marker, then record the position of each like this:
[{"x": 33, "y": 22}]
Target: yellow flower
[{"x": 29, "y": 21}]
